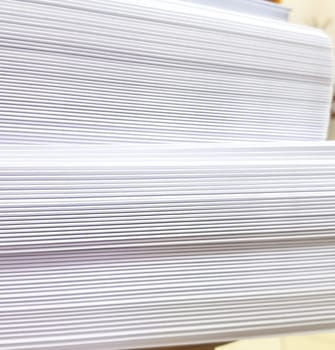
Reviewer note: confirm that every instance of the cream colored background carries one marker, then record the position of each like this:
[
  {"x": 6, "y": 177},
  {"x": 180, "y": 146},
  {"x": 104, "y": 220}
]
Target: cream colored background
[
  {"x": 303, "y": 11},
  {"x": 320, "y": 341}
]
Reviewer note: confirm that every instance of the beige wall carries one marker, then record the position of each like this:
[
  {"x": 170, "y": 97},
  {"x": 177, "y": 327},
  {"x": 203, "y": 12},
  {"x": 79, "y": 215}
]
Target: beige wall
[
  {"x": 331, "y": 134},
  {"x": 303, "y": 11}
]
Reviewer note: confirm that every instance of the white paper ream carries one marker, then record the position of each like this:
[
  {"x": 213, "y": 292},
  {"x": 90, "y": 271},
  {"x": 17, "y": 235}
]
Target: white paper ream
[
  {"x": 133, "y": 246},
  {"x": 85, "y": 71}
]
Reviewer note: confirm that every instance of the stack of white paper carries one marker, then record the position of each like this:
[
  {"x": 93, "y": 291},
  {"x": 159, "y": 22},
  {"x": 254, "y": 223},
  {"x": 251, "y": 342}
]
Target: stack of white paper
[
  {"x": 130, "y": 246},
  {"x": 157, "y": 71},
  {"x": 262, "y": 8}
]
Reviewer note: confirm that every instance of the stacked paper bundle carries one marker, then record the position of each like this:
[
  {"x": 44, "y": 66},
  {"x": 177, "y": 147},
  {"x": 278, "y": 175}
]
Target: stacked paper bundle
[
  {"x": 157, "y": 71},
  {"x": 128, "y": 246},
  {"x": 263, "y": 8}
]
